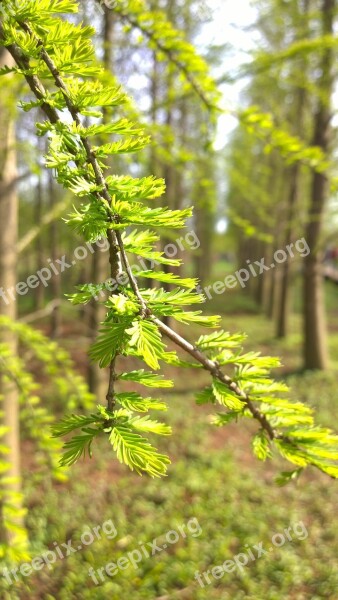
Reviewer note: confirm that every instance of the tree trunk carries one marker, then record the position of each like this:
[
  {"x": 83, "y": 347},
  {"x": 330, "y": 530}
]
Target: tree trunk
[
  {"x": 56, "y": 282},
  {"x": 315, "y": 336},
  {"x": 285, "y": 275},
  {"x": 204, "y": 229},
  {"x": 204, "y": 201},
  {"x": 295, "y": 173},
  {"x": 271, "y": 298},
  {"x": 8, "y": 267},
  {"x": 40, "y": 290},
  {"x": 98, "y": 378}
]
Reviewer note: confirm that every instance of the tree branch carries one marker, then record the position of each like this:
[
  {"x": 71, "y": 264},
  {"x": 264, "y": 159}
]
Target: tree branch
[
  {"x": 172, "y": 58},
  {"x": 116, "y": 242},
  {"x": 47, "y": 219},
  {"x": 40, "y": 93},
  {"x": 40, "y": 314}
]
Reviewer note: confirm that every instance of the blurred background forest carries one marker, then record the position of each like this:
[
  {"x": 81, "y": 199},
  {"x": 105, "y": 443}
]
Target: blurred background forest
[{"x": 261, "y": 172}]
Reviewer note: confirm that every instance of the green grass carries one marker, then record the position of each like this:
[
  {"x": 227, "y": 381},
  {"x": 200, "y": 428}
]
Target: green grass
[{"x": 214, "y": 479}]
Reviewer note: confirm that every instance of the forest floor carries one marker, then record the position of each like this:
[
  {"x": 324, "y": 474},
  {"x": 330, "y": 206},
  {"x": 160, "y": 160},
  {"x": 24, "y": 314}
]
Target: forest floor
[{"x": 213, "y": 479}]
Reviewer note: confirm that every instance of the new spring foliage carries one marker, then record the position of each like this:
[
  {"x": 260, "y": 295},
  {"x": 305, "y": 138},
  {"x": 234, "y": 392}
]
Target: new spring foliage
[{"x": 58, "y": 61}]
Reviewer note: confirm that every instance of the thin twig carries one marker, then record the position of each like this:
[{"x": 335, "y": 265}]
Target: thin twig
[
  {"x": 187, "y": 74},
  {"x": 145, "y": 310},
  {"x": 215, "y": 371},
  {"x": 40, "y": 314}
]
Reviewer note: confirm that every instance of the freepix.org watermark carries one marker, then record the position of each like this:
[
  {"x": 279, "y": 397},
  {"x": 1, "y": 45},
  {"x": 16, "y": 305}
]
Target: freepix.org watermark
[
  {"x": 61, "y": 551},
  {"x": 171, "y": 250},
  {"x": 252, "y": 553},
  {"x": 255, "y": 269},
  {"x": 44, "y": 275},
  {"x": 146, "y": 550},
  {"x": 102, "y": 4}
]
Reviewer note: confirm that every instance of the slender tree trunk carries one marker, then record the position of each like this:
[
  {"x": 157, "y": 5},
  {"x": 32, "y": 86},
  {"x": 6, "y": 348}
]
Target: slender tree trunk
[
  {"x": 245, "y": 251},
  {"x": 11, "y": 484},
  {"x": 180, "y": 181},
  {"x": 275, "y": 274},
  {"x": 262, "y": 280},
  {"x": 169, "y": 170},
  {"x": 204, "y": 224},
  {"x": 98, "y": 378},
  {"x": 169, "y": 199},
  {"x": 40, "y": 290},
  {"x": 203, "y": 196},
  {"x": 271, "y": 301},
  {"x": 315, "y": 336},
  {"x": 56, "y": 282},
  {"x": 295, "y": 173},
  {"x": 155, "y": 165},
  {"x": 285, "y": 274}
]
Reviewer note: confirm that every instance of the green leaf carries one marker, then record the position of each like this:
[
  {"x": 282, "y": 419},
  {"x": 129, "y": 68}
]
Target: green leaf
[
  {"x": 329, "y": 469},
  {"x": 136, "y": 452},
  {"x": 205, "y": 396},
  {"x": 168, "y": 278},
  {"x": 134, "y": 402},
  {"x": 90, "y": 221},
  {"x": 220, "y": 339},
  {"x": 179, "y": 297},
  {"x": 71, "y": 422},
  {"x": 149, "y": 425},
  {"x": 86, "y": 293},
  {"x": 253, "y": 359},
  {"x": 222, "y": 419},
  {"x": 122, "y": 146},
  {"x": 292, "y": 453},
  {"x": 82, "y": 187},
  {"x": 120, "y": 127},
  {"x": 86, "y": 94},
  {"x": 125, "y": 187},
  {"x": 78, "y": 447},
  {"x": 6, "y": 70},
  {"x": 110, "y": 341},
  {"x": 134, "y": 213},
  {"x": 197, "y": 317},
  {"x": 146, "y": 338},
  {"x": 38, "y": 11},
  {"x": 226, "y": 396},
  {"x": 286, "y": 476},
  {"x": 121, "y": 305},
  {"x": 146, "y": 378},
  {"x": 261, "y": 445}
]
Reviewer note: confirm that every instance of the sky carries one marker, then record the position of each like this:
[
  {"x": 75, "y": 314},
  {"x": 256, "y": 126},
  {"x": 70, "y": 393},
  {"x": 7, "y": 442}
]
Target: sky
[
  {"x": 229, "y": 25},
  {"x": 231, "y": 17}
]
